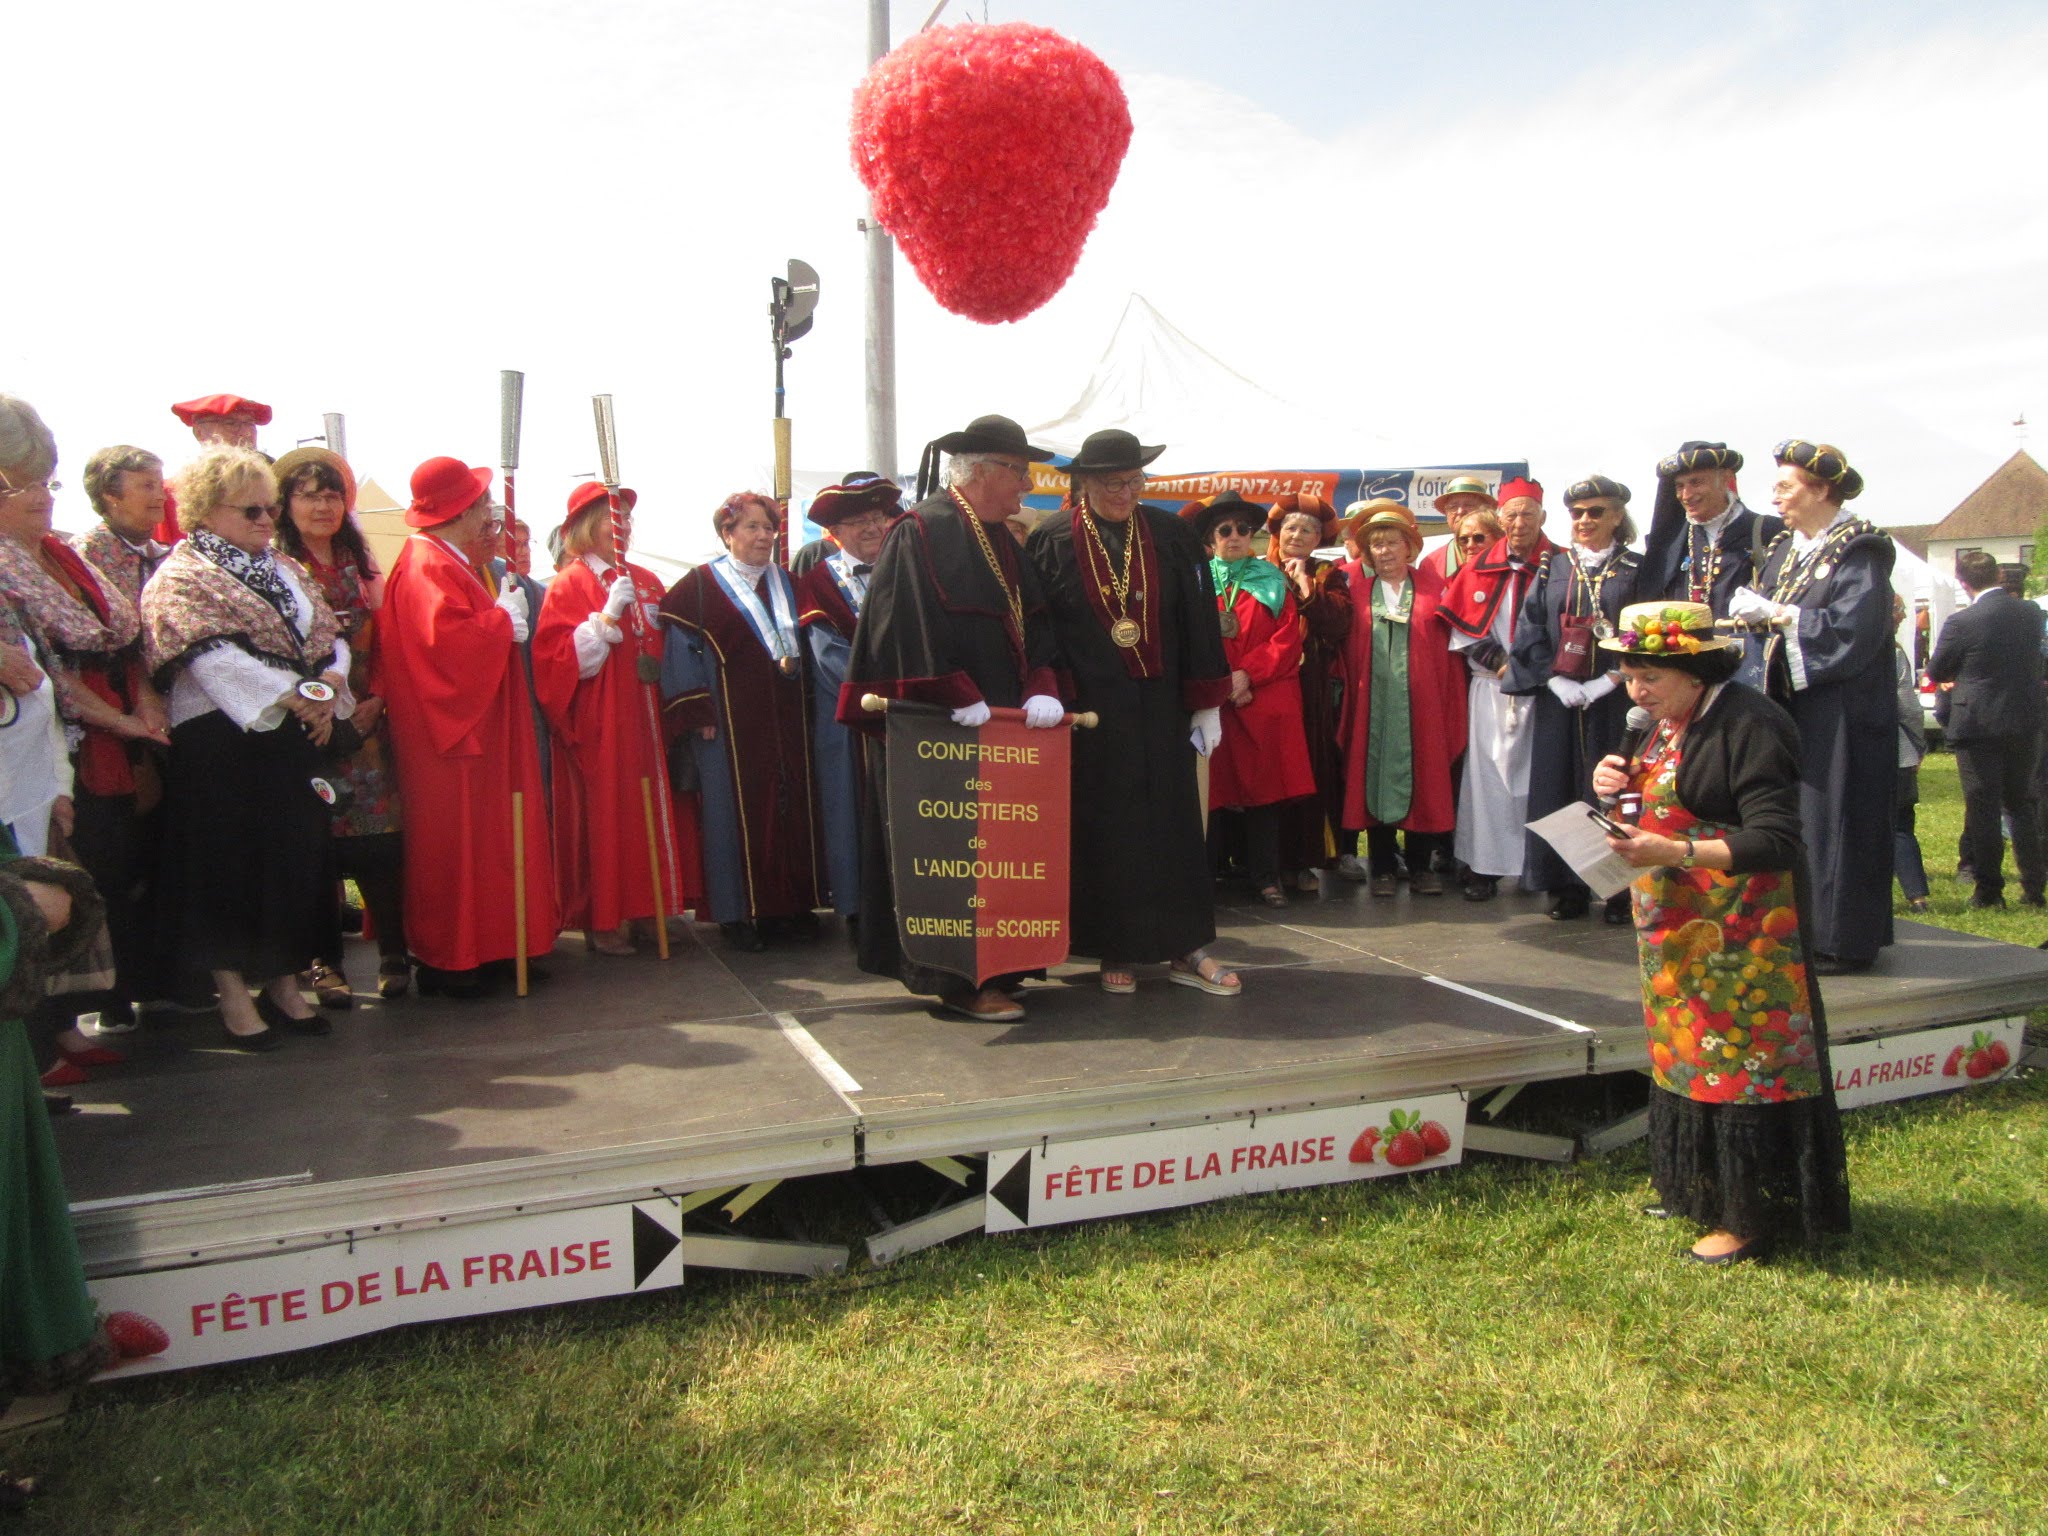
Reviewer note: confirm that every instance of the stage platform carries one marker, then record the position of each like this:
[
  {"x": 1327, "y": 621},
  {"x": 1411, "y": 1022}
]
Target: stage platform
[{"x": 631, "y": 1079}]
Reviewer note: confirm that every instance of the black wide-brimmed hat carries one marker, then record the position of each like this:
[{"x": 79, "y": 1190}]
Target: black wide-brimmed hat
[
  {"x": 1225, "y": 504},
  {"x": 1698, "y": 455},
  {"x": 1596, "y": 486},
  {"x": 1112, "y": 449},
  {"x": 992, "y": 434}
]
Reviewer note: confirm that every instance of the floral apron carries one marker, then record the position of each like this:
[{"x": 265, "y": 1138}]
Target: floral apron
[{"x": 1724, "y": 967}]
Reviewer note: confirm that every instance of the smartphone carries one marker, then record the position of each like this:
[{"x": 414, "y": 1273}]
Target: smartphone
[{"x": 1608, "y": 824}]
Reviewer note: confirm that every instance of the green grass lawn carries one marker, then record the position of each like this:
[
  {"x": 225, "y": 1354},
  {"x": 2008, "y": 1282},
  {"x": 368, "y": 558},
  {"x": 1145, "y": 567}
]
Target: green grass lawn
[{"x": 1504, "y": 1347}]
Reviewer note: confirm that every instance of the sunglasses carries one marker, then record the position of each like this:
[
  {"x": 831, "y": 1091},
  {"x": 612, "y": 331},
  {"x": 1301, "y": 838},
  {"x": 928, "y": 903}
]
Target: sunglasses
[
  {"x": 1474, "y": 538},
  {"x": 256, "y": 514},
  {"x": 1231, "y": 530}
]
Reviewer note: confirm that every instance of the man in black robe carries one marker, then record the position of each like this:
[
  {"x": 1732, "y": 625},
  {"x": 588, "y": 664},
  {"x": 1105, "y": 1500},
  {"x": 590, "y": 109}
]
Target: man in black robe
[
  {"x": 1703, "y": 542},
  {"x": 954, "y": 617},
  {"x": 1136, "y": 617}
]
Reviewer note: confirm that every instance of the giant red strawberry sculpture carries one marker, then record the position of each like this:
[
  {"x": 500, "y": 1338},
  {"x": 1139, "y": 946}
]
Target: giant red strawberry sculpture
[{"x": 989, "y": 151}]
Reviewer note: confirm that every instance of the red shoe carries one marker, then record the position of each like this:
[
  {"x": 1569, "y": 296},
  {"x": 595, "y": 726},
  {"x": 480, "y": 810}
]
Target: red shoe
[
  {"x": 66, "y": 1074},
  {"x": 92, "y": 1056}
]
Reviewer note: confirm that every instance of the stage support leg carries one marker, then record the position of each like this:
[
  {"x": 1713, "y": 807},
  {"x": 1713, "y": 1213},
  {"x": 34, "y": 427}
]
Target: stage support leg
[
  {"x": 942, "y": 1225},
  {"x": 703, "y": 1250},
  {"x": 1625, "y": 1130},
  {"x": 1506, "y": 1143},
  {"x": 950, "y": 1168},
  {"x": 748, "y": 1198}
]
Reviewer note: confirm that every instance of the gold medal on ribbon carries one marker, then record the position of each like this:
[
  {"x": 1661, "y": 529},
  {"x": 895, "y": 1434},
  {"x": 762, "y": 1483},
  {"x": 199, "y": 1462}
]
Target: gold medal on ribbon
[
  {"x": 789, "y": 665},
  {"x": 1228, "y": 623},
  {"x": 1125, "y": 632}
]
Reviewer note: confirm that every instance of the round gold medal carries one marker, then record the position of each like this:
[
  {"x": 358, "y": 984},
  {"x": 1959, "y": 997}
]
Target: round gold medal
[
  {"x": 1229, "y": 625},
  {"x": 1125, "y": 632},
  {"x": 789, "y": 665}
]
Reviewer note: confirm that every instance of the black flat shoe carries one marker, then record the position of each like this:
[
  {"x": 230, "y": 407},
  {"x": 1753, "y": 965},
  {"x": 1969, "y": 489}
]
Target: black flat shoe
[
  {"x": 271, "y": 1013},
  {"x": 1568, "y": 906},
  {"x": 1482, "y": 888},
  {"x": 743, "y": 936},
  {"x": 1835, "y": 965},
  {"x": 1617, "y": 912},
  {"x": 462, "y": 986},
  {"x": 57, "y": 1103},
  {"x": 262, "y": 1040}
]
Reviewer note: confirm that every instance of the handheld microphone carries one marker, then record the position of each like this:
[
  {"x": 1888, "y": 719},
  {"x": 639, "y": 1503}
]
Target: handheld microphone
[{"x": 1636, "y": 730}]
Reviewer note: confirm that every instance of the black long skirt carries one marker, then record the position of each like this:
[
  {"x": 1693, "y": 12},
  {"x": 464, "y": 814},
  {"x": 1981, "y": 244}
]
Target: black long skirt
[
  {"x": 247, "y": 882},
  {"x": 1775, "y": 1171}
]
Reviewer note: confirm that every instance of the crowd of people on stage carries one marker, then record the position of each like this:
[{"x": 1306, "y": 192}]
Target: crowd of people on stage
[{"x": 223, "y": 710}]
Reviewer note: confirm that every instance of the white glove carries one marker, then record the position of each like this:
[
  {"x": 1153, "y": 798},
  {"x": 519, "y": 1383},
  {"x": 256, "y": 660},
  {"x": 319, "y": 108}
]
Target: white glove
[
  {"x": 1206, "y": 730},
  {"x": 1568, "y": 693},
  {"x": 1599, "y": 688},
  {"x": 513, "y": 600},
  {"x": 1042, "y": 711},
  {"x": 972, "y": 714},
  {"x": 1749, "y": 605},
  {"x": 619, "y": 599}
]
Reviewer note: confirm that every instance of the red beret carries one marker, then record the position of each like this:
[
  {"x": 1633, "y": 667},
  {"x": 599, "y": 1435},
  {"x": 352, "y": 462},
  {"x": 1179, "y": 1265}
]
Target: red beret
[
  {"x": 590, "y": 491},
  {"x": 443, "y": 489},
  {"x": 190, "y": 411},
  {"x": 1533, "y": 489}
]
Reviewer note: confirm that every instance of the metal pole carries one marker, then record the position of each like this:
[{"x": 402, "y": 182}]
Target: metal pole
[{"x": 881, "y": 302}]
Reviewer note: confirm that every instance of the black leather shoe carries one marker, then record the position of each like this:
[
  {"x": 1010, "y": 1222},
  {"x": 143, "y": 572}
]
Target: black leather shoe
[
  {"x": 743, "y": 936},
  {"x": 1835, "y": 965},
  {"x": 463, "y": 986},
  {"x": 262, "y": 1040},
  {"x": 270, "y": 1013},
  {"x": 1482, "y": 887},
  {"x": 1617, "y": 911},
  {"x": 1569, "y": 905},
  {"x": 1982, "y": 901}
]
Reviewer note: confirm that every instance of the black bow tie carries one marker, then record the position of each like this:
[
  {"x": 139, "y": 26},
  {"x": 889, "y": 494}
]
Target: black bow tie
[{"x": 863, "y": 570}]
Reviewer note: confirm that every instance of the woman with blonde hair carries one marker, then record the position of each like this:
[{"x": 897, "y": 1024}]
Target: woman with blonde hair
[{"x": 252, "y": 659}]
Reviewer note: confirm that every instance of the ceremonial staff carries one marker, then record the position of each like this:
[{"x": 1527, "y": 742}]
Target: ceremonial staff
[
  {"x": 511, "y": 402},
  {"x": 647, "y": 668}
]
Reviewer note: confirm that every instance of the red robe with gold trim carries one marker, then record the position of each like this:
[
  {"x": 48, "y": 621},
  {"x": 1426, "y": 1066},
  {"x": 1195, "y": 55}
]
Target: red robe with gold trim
[
  {"x": 462, "y": 733},
  {"x": 607, "y": 743}
]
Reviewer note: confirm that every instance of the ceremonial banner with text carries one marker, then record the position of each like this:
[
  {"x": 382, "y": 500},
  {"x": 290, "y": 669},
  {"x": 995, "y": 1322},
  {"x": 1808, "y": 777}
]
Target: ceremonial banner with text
[{"x": 978, "y": 842}]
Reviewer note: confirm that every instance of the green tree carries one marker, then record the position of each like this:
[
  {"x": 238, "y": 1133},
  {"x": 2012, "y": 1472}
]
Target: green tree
[{"x": 2037, "y": 568}]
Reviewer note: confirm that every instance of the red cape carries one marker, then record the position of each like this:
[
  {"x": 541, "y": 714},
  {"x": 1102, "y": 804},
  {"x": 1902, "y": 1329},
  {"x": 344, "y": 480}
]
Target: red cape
[
  {"x": 1437, "y": 682},
  {"x": 1264, "y": 755},
  {"x": 462, "y": 732},
  {"x": 606, "y": 735}
]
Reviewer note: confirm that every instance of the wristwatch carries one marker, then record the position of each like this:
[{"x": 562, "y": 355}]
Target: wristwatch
[{"x": 1685, "y": 861}]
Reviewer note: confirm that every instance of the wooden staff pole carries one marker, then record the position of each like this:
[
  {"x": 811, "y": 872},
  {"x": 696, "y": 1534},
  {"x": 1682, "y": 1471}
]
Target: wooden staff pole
[{"x": 519, "y": 889}]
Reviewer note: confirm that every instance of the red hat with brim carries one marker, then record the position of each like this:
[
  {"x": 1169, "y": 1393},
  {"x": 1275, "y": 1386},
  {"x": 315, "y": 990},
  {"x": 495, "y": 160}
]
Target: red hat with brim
[
  {"x": 443, "y": 489},
  {"x": 836, "y": 503},
  {"x": 190, "y": 412},
  {"x": 590, "y": 491}
]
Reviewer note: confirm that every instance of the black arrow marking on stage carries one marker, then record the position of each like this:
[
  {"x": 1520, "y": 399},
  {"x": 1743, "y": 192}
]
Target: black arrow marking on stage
[
  {"x": 1013, "y": 1190},
  {"x": 652, "y": 1242}
]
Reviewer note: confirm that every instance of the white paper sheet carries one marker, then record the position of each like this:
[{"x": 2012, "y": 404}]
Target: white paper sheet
[{"x": 1581, "y": 844}]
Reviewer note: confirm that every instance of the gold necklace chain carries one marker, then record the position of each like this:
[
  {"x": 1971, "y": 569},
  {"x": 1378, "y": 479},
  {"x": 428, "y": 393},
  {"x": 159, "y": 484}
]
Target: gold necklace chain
[
  {"x": 1013, "y": 596},
  {"x": 1119, "y": 583}
]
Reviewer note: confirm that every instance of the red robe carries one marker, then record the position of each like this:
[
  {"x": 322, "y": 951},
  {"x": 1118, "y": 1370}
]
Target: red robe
[
  {"x": 1436, "y": 706},
  {"x": 462, "y": 732},
  {"x": 1263, "y": 758},
  {"x": 606, "y": 734}
]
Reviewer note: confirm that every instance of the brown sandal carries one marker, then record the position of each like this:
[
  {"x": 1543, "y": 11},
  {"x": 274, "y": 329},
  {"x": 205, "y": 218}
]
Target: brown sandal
[{"x": 329, "y": 985}]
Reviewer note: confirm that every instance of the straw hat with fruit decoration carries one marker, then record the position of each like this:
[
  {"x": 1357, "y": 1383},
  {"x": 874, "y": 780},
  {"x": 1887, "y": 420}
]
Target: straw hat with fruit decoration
[{"x": 1653, "y": 630}]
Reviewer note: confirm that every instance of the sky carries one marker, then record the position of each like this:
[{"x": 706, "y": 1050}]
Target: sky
[{"x": 1575, "y": 234}]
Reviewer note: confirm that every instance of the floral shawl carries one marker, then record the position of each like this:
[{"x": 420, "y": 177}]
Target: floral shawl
[
  {"x": 96, "y": 630},
  {"x": 192, "y": 606}
]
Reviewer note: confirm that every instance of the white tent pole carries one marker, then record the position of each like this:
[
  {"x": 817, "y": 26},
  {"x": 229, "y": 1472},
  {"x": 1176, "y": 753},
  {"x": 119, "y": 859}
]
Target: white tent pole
[{"x": 881, "y": 301}]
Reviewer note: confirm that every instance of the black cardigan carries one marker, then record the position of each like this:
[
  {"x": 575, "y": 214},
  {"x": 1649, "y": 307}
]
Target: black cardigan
[{"x": 1739, "y": 766}]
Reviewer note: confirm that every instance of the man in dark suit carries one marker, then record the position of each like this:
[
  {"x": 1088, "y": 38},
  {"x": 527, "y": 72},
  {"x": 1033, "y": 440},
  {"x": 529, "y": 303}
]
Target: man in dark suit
[
  {"x": 1991, "y": 653},
  {"x": 1703, "y": 542}
]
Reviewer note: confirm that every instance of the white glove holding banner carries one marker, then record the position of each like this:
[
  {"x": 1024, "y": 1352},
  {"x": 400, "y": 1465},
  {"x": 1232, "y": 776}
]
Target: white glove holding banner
[
  {"x": 971, "y": 715},
  {"x": 619, "y": 599},
  {"x": 513, "y": 600},
  {"x": 1206, "y": 730},
  {"x": 1042, "y": 711}
]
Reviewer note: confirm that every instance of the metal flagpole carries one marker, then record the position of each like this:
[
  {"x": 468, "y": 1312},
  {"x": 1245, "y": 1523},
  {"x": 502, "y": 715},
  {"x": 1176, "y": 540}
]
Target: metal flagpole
[
  {"x": 511, "y": 405},
  {"x": 881, "y": 301}
]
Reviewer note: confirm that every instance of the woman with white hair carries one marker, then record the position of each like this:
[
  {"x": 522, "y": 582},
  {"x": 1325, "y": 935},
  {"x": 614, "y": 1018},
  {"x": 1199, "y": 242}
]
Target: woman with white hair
[
  {"x": 1580, "y": 707},
  {"x": 257, "y": 674}
]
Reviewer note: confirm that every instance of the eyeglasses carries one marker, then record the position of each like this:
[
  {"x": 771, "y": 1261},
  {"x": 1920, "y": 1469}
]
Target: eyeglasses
[
  {"x": 1116, "y": 485},
  {"x": 319, "y": 498},
  {"x": 1021, "y": 471},
  {"x": 1588, "y": 514},
  {"x": 52, "y": 486},
  {"x": 865, "y": 520},
  {"x": 494, "y": 525},
  {"x": 1473, "y": 538},
  {"x": 256, "y": 514}
]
